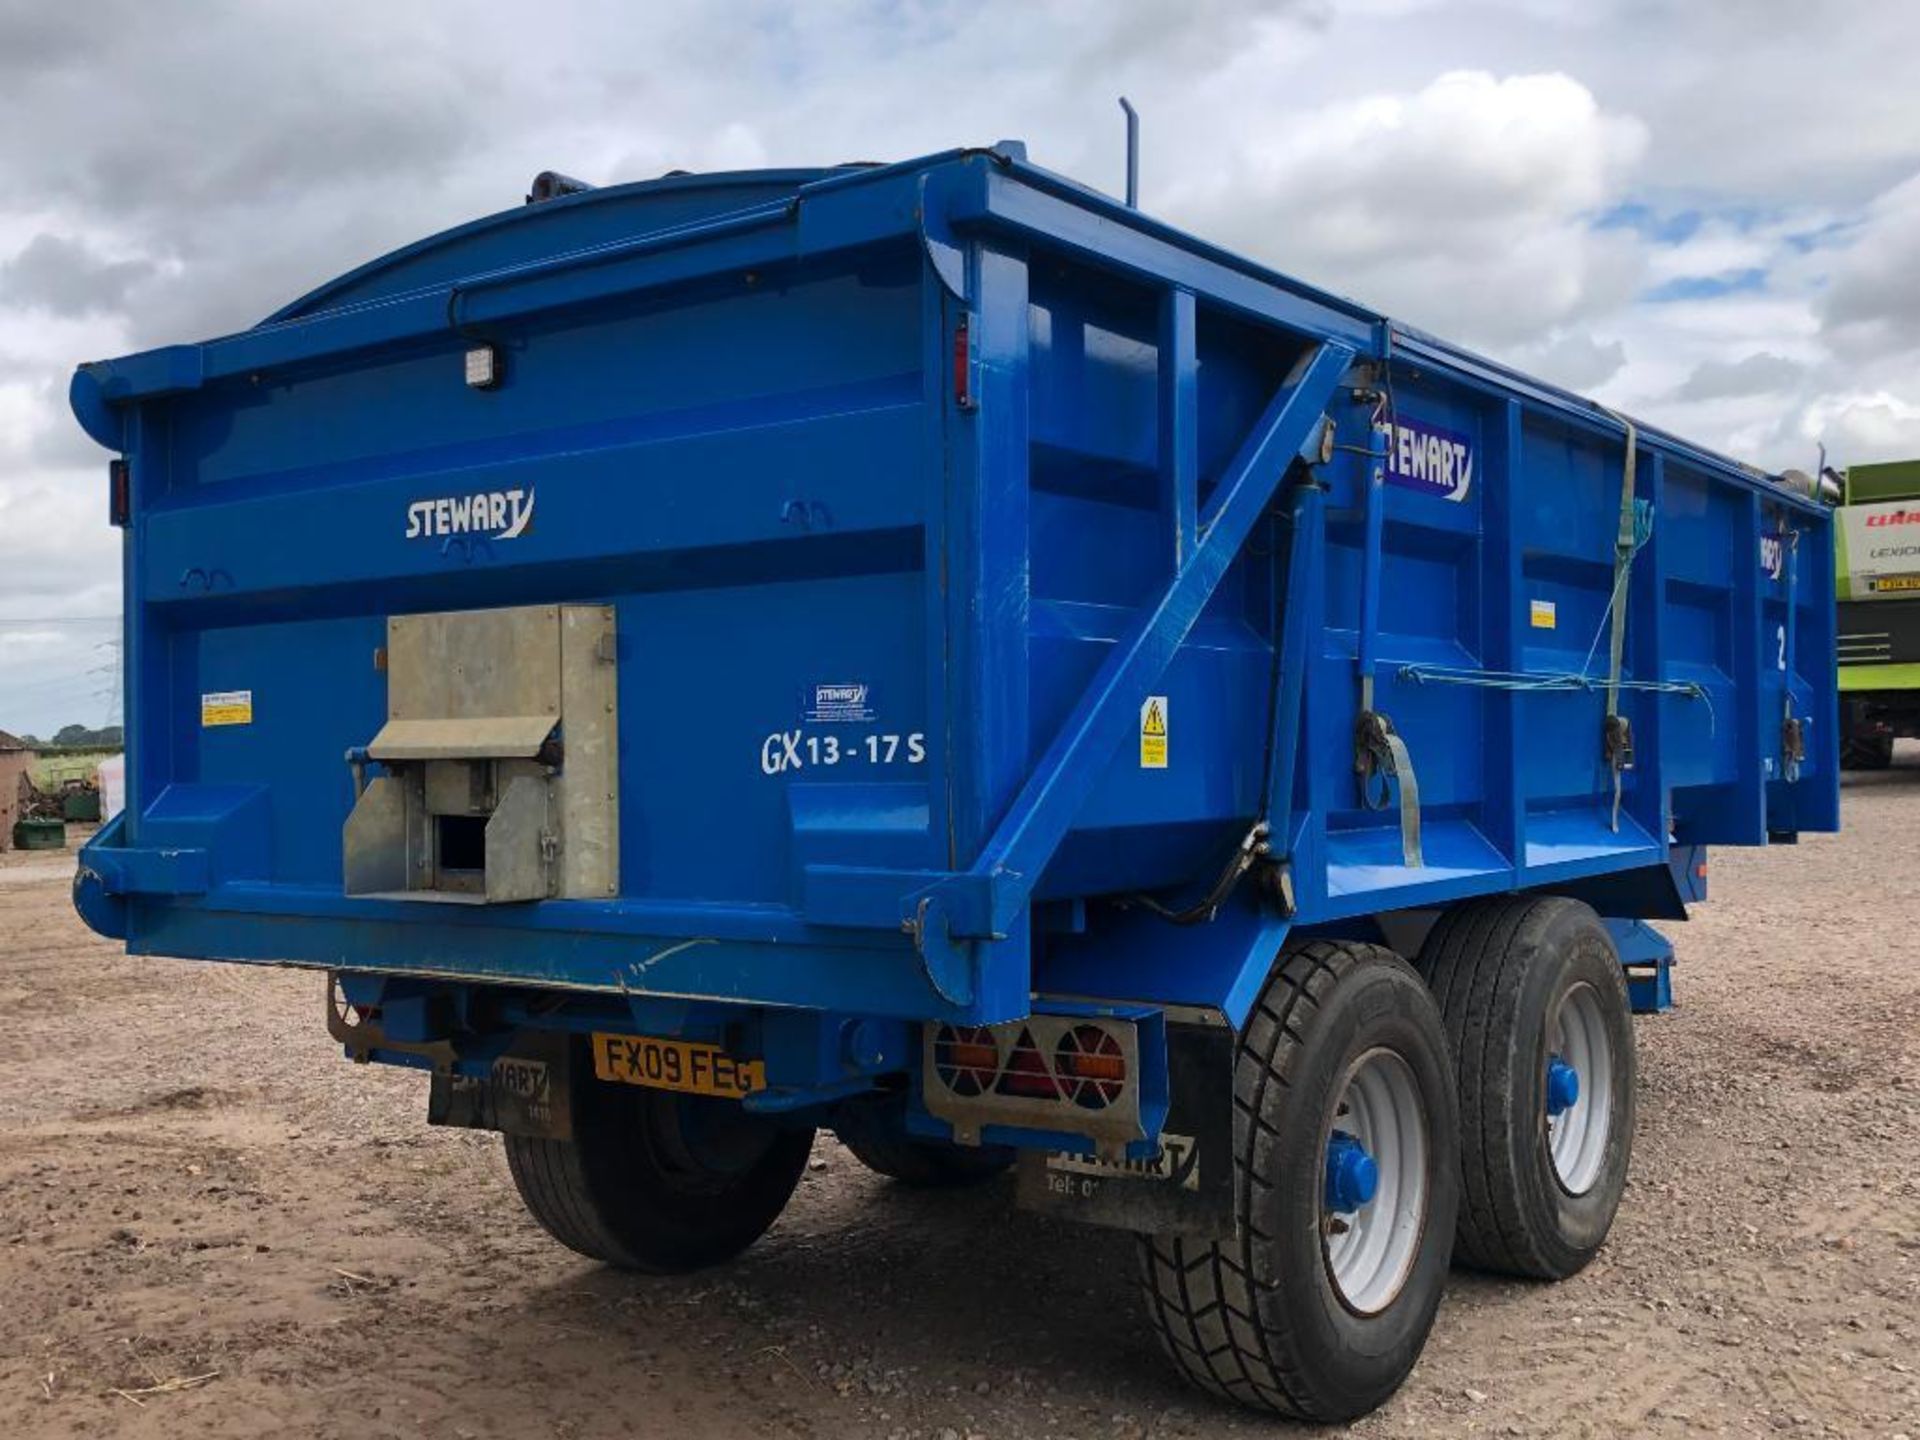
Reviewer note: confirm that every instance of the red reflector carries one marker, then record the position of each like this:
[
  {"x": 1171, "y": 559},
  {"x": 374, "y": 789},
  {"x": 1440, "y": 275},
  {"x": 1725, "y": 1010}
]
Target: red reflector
[
  {"x": 119, "y": 492},
  {"x": 1026, "y": 1073},
  {"x": 962, "y": 367},
  {"x": 1033, "y": 1086},
  {"x": 1700, "y": 870}
]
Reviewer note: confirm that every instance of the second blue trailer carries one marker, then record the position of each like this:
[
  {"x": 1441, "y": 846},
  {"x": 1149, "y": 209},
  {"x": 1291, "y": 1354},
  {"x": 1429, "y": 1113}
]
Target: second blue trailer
[{"x": 929, "y": 651}]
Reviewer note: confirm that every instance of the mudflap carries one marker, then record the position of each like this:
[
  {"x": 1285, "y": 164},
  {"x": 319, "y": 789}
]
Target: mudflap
[
  {"x": 527, "y": 1091},
  {"x": 1187, "y": 1189}
]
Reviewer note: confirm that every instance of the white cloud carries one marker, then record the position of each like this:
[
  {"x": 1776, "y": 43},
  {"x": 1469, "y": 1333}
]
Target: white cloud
[
  {"x": 1574, "y": 359},
  {"x": 1718, "y": 248},
  {"x": 1873, "y": 307},
  {"x": 55, "y": 544},
  {"x": 1446, "y": 161},
  {"x": 1757, "y": 374},
  {"x": 1464, "y": 206},
  {"x": 1863, "y": 426}
]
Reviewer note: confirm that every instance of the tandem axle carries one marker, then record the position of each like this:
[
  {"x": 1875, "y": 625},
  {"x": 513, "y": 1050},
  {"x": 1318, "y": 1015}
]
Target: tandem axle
[{"x": 1114, "y": 1115}]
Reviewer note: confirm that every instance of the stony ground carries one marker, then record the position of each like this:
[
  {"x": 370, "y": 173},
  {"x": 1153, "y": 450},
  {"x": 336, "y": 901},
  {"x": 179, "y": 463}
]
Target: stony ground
[{"x": 210, "y": 1225}]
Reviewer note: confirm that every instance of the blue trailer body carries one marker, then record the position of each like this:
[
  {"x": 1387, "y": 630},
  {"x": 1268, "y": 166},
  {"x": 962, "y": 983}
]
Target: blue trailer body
[{"x": 991, "y": 565}]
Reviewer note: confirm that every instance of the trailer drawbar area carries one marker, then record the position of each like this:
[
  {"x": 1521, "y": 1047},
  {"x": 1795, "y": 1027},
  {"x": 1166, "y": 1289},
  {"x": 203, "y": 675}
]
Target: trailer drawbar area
[{"x": 928, "y": 651}]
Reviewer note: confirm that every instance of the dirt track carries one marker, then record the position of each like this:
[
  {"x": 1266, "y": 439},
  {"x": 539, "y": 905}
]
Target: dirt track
[{"x": 193, "y": 1184}]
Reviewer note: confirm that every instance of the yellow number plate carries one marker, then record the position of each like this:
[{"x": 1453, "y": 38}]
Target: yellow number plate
[{"x": 676, "y": 1065}]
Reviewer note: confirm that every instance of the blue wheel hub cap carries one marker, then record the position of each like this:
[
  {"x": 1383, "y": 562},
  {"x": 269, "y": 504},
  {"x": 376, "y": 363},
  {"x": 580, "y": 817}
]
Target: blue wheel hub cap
[
  {"x": 1352, "y": 1175},
  {"x": 1563, "y": 1085}
]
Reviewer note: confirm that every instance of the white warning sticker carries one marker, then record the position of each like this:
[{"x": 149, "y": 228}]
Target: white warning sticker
[
  {"x": 1153, "y": 733},
  {"x": 1543, "y": 615}
]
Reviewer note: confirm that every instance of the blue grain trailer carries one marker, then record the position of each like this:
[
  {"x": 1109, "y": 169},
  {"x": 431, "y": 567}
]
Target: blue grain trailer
[{"x": 928, "y": 651}]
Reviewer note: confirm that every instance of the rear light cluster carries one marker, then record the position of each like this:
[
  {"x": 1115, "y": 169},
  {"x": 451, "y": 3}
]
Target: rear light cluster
[
  {"x": 1092, "y": 1066},
  {"x": 966, "y": 1058},
  {"x": 1084, "y": 1066}
]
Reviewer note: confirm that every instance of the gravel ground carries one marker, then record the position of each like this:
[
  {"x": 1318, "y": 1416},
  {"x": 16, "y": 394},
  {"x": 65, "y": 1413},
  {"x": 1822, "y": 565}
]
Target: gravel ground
[{"x": 210, "y": 1225}]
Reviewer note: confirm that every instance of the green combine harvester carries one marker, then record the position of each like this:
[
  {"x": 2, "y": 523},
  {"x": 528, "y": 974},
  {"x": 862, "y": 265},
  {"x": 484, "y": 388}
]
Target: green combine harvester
[{"x": 1879, "y": 622}]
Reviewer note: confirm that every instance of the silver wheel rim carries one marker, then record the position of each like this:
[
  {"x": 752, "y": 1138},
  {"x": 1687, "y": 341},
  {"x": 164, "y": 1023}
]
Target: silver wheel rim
[
  {"x": 1577, "y": 1136},
  {"x": 1370, "y": 1250}
]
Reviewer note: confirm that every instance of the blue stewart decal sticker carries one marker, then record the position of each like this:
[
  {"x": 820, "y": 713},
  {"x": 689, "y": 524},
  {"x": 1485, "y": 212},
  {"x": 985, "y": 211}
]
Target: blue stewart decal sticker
[{"x": 1429, "y": 459}]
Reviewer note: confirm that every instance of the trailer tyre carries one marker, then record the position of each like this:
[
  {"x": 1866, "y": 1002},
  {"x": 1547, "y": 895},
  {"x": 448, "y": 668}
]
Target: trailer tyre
[
  {"x": 656, "y": 1181},
  {"x": 874, "y": 1128},
  {"x": 1537, "y": 1015},
  {"x": 1867, "y": 752},
  {"x": 1346, "y": 1171}
]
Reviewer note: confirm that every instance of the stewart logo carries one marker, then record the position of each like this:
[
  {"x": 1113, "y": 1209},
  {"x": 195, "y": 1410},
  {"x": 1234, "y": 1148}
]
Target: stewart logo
[
  {"x": 844, "y": 702},
  {"x": 1772, "y": 556},
  {"x": 497, "y": 514},
  {"x": 1426, "y": 458},
  {"x": 1178, "y": 1163}
]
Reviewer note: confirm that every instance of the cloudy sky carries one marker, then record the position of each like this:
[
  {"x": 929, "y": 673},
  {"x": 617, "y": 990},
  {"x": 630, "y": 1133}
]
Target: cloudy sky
[{"x": 1704, "y": 212}]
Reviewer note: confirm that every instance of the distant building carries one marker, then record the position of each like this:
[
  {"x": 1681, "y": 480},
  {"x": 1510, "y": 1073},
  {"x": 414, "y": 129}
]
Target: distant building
[{"x": 15, "y": 760}]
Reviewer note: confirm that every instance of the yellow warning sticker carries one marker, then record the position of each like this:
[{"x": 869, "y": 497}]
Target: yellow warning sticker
[
  {"x": 1541, "y": 614},
  {"x": 1153, "y": 733},
  {"x": 227, "y": 707}
]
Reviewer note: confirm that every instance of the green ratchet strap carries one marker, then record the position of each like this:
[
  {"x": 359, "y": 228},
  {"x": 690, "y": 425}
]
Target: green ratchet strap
[{"x": 1377, "y": 750}]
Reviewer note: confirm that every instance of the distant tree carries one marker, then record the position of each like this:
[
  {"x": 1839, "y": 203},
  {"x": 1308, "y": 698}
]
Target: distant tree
[{"x": 109, "y": 736}]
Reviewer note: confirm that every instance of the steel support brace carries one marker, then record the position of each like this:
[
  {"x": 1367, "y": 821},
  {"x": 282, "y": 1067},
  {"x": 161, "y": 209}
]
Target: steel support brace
[
  {"x": 1793, "y": 744},
  {"x": 1757, "y": 716},
  {"x": 1179, "y": 420},
  {"x": 1366, "y": 644},
  {"x": 1378, "y": 749},
  {"x": 983, "y": 903},
  {"x": 988, "y": 609},
  {"x": 1305, "y": 506},
  {"x": 1647, "y": 642}
]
